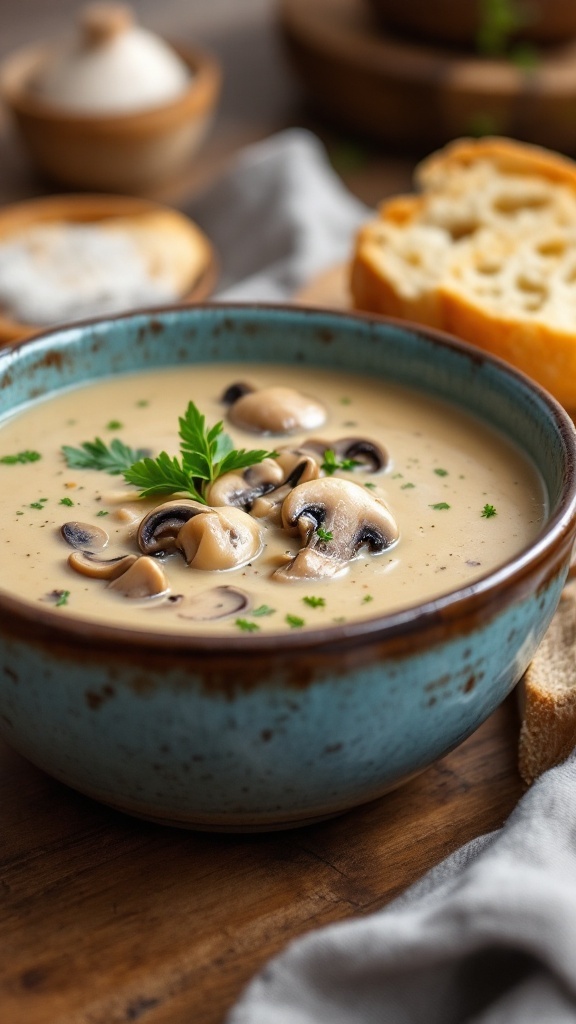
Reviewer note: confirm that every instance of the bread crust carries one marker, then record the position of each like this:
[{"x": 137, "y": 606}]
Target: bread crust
[
  {"x": 507, "y": 155},
  {"x": 548, "y": 731}
]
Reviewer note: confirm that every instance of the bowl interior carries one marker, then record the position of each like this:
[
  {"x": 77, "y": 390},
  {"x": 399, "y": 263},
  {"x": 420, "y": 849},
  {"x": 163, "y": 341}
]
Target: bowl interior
[{"x": 410, "y": 355}]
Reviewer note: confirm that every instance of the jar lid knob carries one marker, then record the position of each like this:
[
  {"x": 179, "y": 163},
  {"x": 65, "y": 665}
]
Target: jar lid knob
[{"x": 101, "y": 22}]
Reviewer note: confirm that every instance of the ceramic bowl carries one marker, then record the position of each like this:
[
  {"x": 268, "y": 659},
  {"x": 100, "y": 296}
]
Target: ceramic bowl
[
  {"x": 90, "y": 209},
  {"x": 134, "y": 153},
  {"x": 260, "y": 732}
]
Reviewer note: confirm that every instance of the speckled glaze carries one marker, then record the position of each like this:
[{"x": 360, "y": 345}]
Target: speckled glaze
[{"x": 255, "y": 732}]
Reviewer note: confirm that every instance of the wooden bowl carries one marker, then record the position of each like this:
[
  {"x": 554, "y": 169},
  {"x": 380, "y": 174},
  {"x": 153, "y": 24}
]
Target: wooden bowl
[
  {"x": 133, "y": 152},
  {"x": 444, "y": 21},
  {"x": 89, "y": 209},
  {"x": 417, "y": 97}
]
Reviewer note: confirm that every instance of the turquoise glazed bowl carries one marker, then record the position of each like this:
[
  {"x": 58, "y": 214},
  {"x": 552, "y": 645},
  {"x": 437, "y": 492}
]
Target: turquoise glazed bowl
[{"x": 256, "y": 732}]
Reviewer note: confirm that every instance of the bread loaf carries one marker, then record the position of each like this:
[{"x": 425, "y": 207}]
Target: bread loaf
[
  {"x": 548, "y": 732},
  {"x": 486, "y": 251}
]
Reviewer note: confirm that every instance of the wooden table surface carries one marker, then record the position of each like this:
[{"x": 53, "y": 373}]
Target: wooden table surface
[{"x": 106, "y": 919}]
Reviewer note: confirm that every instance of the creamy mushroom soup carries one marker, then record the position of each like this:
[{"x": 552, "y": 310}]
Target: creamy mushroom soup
[{"x": 365, "y": 499}]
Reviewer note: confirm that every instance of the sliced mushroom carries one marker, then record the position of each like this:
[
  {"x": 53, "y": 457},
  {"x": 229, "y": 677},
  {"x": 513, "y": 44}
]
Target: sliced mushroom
[
  {"x": 158, "y": 530},
  {"x": 242, "y": 489},
  {"x": 348, "y": 517},
  {"x": 84, "y": 536},
  {"x": 370, "y": 455},
  {"x": 296, "y": 467},
  {"x": 216, "y": 603},
  {"x": 100, "y": 568},
  {"x": 276, "y": 410},
  {"x": 144, "y": 578},
  {"x": 221, "y": 538},
  {"x": 235, "y": 391}
]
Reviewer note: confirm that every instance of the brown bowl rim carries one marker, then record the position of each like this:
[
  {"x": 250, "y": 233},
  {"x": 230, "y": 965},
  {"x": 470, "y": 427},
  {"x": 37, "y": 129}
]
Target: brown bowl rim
[{"x": 456, "y": 613}]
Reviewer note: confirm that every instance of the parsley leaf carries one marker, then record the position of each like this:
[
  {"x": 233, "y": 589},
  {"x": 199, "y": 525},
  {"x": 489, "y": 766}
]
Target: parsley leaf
[
  {"x": 263, "y": 609},
  {"x": 324, "y": 534},
  {"x": 97, "y": 455},
  {"x": 488, "y": 511},
  {"x": 21, "y": 457},
  {"x": 294, "y": 621},
  {"x": 245, "y": 626},
  {"x": 315, "y": 602},
  {"x": 331, "y": 465},
  {"x": 440, "y": 505},
  {"x": 163, "y": 475}
]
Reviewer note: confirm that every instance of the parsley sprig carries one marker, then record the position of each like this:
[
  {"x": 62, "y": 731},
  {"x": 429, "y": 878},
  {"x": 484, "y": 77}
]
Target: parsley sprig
[{"x": 206, "y": 453}]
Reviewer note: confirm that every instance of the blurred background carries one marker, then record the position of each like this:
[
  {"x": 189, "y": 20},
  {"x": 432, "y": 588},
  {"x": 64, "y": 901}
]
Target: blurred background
[{"x": 262, "y": 92}]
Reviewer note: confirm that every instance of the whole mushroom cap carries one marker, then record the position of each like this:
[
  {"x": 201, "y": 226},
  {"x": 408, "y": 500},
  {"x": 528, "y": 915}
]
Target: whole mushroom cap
[
  {"x": 336, "y": 519},
  {"x": 276, "y": 410}
]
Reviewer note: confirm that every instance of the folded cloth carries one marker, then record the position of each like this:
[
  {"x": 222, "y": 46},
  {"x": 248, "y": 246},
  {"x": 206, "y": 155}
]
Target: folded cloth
[
  {"x": 487, "y": 937},
  {"x": 279, "y": 216}
]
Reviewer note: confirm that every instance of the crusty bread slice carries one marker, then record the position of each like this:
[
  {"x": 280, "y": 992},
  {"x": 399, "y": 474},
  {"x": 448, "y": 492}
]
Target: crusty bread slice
[
  {"x": 548, "y": 689},
  {"x": 487, "y": 251},
  {"x": 175, "y": 251}
]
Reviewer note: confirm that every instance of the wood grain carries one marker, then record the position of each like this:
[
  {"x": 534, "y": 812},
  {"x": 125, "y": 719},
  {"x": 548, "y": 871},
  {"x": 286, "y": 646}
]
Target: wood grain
[{"x": 106, "y": 919}]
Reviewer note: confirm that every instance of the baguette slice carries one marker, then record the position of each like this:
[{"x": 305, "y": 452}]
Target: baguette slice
[
  {"x": 548, "y": 732},
  {"x": 486, "y": 251}
]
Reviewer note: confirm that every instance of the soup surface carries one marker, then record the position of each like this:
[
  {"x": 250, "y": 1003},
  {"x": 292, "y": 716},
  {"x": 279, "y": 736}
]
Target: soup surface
[{"x": 464, "y": 501}]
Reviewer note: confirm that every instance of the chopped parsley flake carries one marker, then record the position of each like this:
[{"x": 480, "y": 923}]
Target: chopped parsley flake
[
  {"x": 142, "y": 403},
  {"x": 66, "y": 501},
  {"x": 315, "y": 602},
  {"x": 367, "y": 598},
  {"x": 37, "y": 504},
  {"x": 21, "y": 457},
  {"x": 324, "y": 534},
  {"x": 102, "y": 512},
  {"x": 114, "y": 425},
  {"x": 345, "y": 401},
  {"x": 397, "y": 476},
  {"x": 62, "y": 598},
  {"x": 407, "y": 487},
  {"x": 263, "y": 609},
  {"x": 247, "y": 627},
  {"x": 294, "y": 621},
  {"x": 488, "y": 511},
  {"x": 331, "y": 464},
  {"x": 370, "y": 486},
  {"x": 441, "y": 472},
  {"x": 440, "y": 505}
]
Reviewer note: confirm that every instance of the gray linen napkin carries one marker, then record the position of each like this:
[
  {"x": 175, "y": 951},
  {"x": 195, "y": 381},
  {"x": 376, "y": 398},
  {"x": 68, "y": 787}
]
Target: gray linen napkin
[
  {"x": 279, "y": 216},
  {"x": 489, "y": 936}
]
